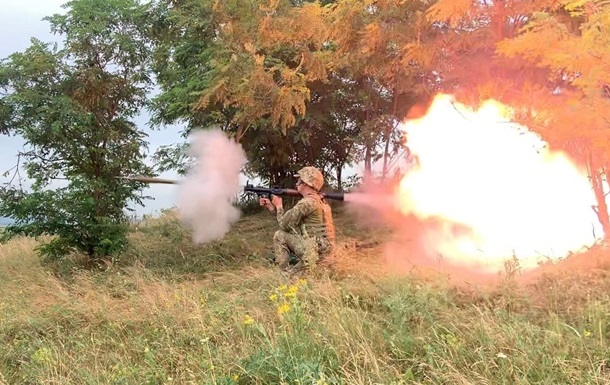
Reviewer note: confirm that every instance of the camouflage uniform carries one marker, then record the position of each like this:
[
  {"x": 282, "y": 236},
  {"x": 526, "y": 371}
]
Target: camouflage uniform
[{"x": 307, "y": 230}]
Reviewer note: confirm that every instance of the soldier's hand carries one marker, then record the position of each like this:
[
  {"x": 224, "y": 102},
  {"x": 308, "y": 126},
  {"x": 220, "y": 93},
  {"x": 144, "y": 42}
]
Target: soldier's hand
[
  {"x": 267, "y": 203},
  {"x": 276, "y": 201}
]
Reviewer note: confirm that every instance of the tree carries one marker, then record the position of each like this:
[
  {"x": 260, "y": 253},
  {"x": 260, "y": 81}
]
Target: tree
[
  {"x": 72, "y": 106},
  {"x": 251, "y": 60},
  {"x": 329, "y": 130},
  {"x": 325, "y": 137},
  {"x": 253, "y": 68},
  {"x": 382, "y": 47},
  {"x": 264, "y": 56}
]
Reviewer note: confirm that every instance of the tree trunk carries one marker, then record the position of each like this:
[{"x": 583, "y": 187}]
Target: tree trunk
[
  {"x": 386, "y": 155},
  {"x": 368, "y": 162},
  {"x": 598, "y": 188},
  {"x": 388, "y": 133},
  {"x": 241, "y": 131},
  {"x": 339, "y": 177}
]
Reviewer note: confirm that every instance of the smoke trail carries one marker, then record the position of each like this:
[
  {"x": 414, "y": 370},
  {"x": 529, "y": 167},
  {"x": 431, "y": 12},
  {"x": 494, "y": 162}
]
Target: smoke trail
[{"x": 204, "y": 198}]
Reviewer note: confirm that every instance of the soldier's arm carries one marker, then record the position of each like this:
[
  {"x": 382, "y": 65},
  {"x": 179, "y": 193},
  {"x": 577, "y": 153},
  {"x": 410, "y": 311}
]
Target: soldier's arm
[{"x": 293, "y": 217}]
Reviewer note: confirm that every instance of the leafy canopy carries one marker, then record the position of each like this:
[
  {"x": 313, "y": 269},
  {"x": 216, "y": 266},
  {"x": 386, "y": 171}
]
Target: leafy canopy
[{"x": 73, "y": 107}]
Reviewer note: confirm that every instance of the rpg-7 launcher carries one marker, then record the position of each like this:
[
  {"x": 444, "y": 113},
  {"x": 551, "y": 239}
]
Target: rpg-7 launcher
[
  {"x": 267, "y": 192},
  {"x": 260, "y": 191}
]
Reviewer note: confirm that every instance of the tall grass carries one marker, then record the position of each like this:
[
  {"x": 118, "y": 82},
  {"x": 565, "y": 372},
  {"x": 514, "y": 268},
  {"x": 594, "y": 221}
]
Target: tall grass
[{"x": 168, "y": 312}]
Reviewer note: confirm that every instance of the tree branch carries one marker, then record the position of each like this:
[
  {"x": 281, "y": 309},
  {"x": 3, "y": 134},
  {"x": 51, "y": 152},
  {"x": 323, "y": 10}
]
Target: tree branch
[{"x": 16, "y": 174}]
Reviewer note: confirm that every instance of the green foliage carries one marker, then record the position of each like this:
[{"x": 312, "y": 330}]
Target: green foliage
[
  {"x": 260, "y": 77},
  {"x": 173, "y": 157},
  {"x": 182, "y": 34},
  {"x": 68, "y": 214},
  {"x": 72, "y": 106},
  {"x": 285, "y": 80}
]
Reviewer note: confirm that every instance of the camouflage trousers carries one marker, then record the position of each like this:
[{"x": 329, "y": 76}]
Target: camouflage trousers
[{"x": 306, "y": 250}]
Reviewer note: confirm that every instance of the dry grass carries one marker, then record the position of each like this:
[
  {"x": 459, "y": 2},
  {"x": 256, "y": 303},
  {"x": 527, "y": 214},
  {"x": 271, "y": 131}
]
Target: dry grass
[{"x": 171, "y": 313}]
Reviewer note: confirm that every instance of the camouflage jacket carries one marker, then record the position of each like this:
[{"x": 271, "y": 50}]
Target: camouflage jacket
[{"x": 311, "y": 216}]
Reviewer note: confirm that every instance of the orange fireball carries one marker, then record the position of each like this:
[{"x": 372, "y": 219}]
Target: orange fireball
[{"x": 515, "y": 197}]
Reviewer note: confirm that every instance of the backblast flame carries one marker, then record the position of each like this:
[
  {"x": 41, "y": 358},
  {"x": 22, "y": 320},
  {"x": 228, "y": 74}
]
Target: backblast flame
[{"x": 498, "y": 183}]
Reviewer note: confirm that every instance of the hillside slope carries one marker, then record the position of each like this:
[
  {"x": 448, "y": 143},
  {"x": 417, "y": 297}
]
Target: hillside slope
[{"x": 169, "y": 312}]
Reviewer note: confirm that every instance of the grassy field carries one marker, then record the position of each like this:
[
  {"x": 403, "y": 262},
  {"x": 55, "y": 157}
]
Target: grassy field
[{"x": 169, "y": 312}]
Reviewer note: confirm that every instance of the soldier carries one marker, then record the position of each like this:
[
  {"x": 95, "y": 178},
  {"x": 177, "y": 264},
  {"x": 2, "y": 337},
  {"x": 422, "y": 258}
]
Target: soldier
[{"x": 306, "y": 230}]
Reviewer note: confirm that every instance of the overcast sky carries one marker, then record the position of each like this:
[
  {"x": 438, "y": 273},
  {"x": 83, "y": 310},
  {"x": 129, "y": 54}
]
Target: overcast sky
[{"x": 20, "y": 20}]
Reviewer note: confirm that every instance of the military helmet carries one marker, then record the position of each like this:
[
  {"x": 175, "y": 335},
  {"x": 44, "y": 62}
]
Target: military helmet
[{"x": 311, "y": 176}]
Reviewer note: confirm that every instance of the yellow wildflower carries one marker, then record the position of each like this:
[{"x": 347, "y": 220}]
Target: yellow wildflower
[
  {"x": 283, "y": 309},
  {"x": 235, "y": 377},
  {"x": 273, "y": 297},
  {"x": 587, "y": 333},
  {"x": 291, "y": 292},
  {"x": 283, "y": 288},
  {"x": 248, "y": 320}
]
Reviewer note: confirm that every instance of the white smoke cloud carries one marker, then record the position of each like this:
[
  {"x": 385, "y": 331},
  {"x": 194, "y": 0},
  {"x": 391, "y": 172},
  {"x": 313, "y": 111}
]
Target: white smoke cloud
[{"x": 204, "y": 198}]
